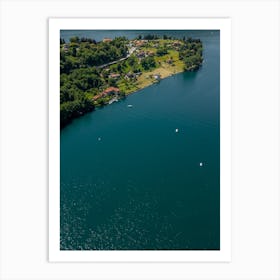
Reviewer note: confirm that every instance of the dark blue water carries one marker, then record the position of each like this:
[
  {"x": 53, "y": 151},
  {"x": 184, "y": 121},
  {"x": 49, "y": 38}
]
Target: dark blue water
[{"x": 129, "y": 181}]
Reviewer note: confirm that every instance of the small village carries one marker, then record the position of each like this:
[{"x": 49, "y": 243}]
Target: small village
[
  {"x": 95, "y": 74},
  {"x": 139, "y": 49}
]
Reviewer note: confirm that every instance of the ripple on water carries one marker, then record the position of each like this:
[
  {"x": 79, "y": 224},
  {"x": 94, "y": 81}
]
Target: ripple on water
[{"x": 135, "y": 224}]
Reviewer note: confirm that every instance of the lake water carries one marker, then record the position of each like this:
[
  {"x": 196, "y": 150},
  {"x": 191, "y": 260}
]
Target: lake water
[{"x": 129, "y": 181}]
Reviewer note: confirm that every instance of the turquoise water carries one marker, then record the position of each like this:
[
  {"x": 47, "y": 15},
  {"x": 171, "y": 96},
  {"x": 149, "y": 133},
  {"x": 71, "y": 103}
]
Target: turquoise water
[{"x": 129, "y": 181}]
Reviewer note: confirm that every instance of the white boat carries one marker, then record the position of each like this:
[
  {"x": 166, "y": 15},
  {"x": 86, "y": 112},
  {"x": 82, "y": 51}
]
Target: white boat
[
  {"x": 200, "y": 164},
  {"x": 129, "y": 106},
  {"x": 113, "y": 100},
  {"x": 176, "y": 130}
]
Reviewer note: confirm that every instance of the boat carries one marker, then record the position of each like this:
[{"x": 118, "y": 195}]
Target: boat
[
  {"x": 176, "y": 130},
  {"x": 129, "y": 105},
  {"x": 113, "y": 100}
]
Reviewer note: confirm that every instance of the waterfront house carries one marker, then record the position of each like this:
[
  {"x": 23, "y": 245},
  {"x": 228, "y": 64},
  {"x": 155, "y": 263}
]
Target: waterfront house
[
  {"x": 110, "y": 91},
  {"x": 96, "y": 97},
  {"x": 157, "y": 77},
  {"x": 107, "y": 92}
]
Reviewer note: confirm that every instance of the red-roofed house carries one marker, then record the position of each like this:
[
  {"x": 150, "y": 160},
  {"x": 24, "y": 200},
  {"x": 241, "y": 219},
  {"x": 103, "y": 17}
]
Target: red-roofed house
[
  {"x": 111, "y": 90},
  {"x": 96, "y": 97},
  {"x": 114, "y": 76},
  {"x": 106, "y": 92}
]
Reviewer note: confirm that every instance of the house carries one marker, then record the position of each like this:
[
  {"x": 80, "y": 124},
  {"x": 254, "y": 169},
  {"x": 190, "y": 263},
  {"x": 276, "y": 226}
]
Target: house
[
  {"x": 110, "y": 91},
  {"x": 106, "y": 92},
  {"x": 107, "y": 40},
  {"x": 151, "y": 53},
  {"x": 140, "y": 43},
  {"x": 176, "y": 44},
  {"x": 141, "y": 54},
  {"x": 130, "y": 75},
  {"x": 169, "y": 61},
  {"x": 114, "y": 76},
  {"x": 96, "y": 97}
]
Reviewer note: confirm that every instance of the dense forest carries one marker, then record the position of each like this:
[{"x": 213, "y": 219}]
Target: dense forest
[
  {"x": 191, "y": 54},
  {"x": 79, "y": 75},
  {"x": 90, "y": 71}
]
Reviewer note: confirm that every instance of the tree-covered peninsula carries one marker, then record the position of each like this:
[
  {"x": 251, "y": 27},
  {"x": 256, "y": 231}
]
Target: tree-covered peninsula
[{"x": 97, "y": 73}]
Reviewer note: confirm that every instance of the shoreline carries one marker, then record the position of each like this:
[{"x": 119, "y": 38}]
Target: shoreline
[
  {"x": 114, "y": 99},
  {"x": 147, "y": 78},
  {"x": 85, "y": 86},
  {"x": 155, "y": 82},
  {"x": 151, "y": 81}
]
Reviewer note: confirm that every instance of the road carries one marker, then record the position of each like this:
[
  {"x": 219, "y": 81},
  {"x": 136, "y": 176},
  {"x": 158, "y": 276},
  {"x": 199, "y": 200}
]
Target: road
[{"x": 130, "y": 52}]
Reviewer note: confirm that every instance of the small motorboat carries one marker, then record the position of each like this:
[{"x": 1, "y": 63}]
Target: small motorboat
[
  {"x": 176, "y": 130},
  {"x": 129, "y": 106}
]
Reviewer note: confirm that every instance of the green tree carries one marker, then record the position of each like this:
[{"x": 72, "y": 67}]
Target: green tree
[
  {"x": 148, "y": 63},
  {"x": 112, "y": 82},
  {"x": 75, "y": 39},
  {"x": 162, "y": 51}
]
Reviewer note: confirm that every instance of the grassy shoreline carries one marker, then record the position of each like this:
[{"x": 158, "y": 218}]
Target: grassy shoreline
[
  {"x": 147, "y": 81},
  {"x": 162, "y": 70}
]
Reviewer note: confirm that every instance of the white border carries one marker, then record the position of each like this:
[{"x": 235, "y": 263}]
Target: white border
[{"x": 223, "y": 255}]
